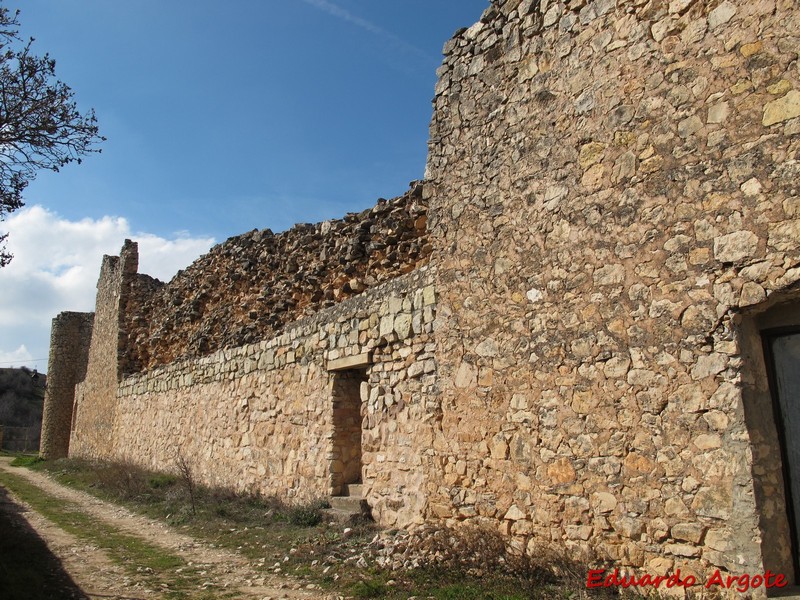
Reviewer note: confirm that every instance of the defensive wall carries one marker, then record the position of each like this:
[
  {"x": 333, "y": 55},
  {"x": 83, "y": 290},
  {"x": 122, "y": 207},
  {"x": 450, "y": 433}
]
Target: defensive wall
[
  {"x": 614, "y": 211},
  {"x": 613, "y": 214},
  {"x": 278, "y": 416},
  {"x": 248, "y": 288},
  {"x": 282, "y": 415}
]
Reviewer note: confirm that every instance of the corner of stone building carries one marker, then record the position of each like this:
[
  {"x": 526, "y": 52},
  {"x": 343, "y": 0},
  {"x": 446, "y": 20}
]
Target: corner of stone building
[
  {"x": 129, "y": 269},
  {"x": 70, "y": 337},
  {"x": 95, "y": 406}
]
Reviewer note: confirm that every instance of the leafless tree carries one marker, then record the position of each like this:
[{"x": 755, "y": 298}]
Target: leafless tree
[
  {"x": 187, "y": 478},
  {"x": 40, "y": 124}
]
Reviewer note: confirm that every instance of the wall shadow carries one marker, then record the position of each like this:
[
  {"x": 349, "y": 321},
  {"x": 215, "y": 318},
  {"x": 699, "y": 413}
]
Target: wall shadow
[{"x": 28, "y": 569}]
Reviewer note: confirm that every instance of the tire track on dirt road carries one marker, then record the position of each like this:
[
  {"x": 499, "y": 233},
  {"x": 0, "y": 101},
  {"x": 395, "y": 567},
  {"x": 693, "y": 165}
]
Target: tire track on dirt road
[{"x": 223, "y": 571}]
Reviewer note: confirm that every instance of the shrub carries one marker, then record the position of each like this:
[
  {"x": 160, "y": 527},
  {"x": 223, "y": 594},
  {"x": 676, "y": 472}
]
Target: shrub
[
  {"x": 122, "y": 480},
  {"x": 161, "y": 480},
  {"x": 368, "y": 589},
  {"x": 307, "y": 515}
]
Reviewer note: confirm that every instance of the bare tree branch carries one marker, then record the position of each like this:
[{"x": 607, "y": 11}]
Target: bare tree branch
[{"x": 40, "y": 124}]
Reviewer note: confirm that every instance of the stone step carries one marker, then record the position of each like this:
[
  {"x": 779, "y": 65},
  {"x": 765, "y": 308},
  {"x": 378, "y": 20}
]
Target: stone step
[
  {"x": 334, "y": 515},
  {"x": 353, "y": 489},
  {"x": 351, "y": 504}
]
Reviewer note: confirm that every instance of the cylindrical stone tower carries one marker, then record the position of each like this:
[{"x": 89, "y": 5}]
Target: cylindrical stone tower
[{"x": 70, "y": 337}]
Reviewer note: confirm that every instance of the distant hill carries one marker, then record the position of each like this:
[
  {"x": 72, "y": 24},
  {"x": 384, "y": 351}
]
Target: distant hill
[{"x": 21, "y": 402}]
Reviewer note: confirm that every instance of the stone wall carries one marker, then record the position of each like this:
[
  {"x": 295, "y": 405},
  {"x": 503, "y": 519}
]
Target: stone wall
[
  {"x": 251, "y": 286},
  {"x": 70, "y": 336},
  {"x": 261, "y": 417},
  {"x": 611, "y": 185},
  {"x": 95, "y": 397},
  {"x": 614, "y": 220}
]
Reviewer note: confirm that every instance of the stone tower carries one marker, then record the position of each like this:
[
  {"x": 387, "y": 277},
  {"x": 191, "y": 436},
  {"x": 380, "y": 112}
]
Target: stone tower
[{"x": 70, "y": 337}]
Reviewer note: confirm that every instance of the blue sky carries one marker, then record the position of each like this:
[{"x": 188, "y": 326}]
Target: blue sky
[
  {"x": 223, "y": 117},
  {"x": 220, "y": 118}
]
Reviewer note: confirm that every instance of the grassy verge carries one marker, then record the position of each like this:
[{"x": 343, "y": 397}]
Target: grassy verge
[
  {"x": 300, "y": 541},
  {"x": 26, "y": 460},
  {"x": 159, "y": 568}
]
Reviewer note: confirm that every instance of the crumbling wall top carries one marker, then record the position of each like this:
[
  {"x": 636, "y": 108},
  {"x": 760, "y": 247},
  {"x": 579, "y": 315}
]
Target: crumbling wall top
[{"x": 249, "y": 287}]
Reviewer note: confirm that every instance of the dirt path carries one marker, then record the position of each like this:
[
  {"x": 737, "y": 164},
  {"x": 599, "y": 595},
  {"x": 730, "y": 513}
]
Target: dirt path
[{"x": 98, "y": 577}]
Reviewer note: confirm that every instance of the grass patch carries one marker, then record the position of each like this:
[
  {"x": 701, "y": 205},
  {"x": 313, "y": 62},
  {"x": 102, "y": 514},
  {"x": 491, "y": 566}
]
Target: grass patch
[
  {"x": 307, "y": 515},
  {"x": 26, "y": 460}
]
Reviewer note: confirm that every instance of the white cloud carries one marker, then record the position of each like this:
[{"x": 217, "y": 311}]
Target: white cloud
[
  {"x": 55, "y": 268},
  {"x": 15, "y": 358}
]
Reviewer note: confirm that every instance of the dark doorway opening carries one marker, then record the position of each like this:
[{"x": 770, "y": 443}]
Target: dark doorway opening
[
  {"x": 782, "y": 353},
  {"x": 347, "y": 390}
]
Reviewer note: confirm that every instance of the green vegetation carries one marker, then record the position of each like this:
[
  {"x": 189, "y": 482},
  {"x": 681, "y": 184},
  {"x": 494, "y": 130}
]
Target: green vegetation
[
  {"x": 307, "y": 515},
  {"x": 299, "y": 541},
  {"x": 158, "y": 567},
  {"x": 26, "y": 460}
]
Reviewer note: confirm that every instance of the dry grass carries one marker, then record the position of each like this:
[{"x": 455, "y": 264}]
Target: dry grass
[{"x": 298, "y": 541}]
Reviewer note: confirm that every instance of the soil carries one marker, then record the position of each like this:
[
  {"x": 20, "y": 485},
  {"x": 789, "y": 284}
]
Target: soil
[{"x": 87, "y": 572}]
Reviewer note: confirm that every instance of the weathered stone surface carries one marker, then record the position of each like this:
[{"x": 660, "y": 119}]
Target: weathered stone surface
[
  {"x": 465, "y": 376},
  {"x": 784, "y": 236},
  {"x": 682, "y": 550},
  {"x": 721, "y": 14},
  {"x": 250, "y": 286},
  {"x": 603, "y": 502},
  {"x": 514, "y": 514},
  {"x": 591, "y": 154},
  {"x": 735, "y": 246},
  {"x": 95, "y": 396},
  {"x": 272, "y": 433},
  {"x": 782, "y": 109},
  {"x": 687, "y": 532},
  {"x": 609, "y": 275},
  {"x": 633, "y": 236},
  {"x": 402, "y": 325},
  {"x": 487, "y": 347},
  {"x": 717, "y": 113},
  {"x": 712, "y": 502}
]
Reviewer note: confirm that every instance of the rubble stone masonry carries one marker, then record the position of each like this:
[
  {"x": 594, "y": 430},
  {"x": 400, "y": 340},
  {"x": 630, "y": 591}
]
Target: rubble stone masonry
[
  {"x": 247, "y": 288},
  {"x": 560, "y": 334},
  {"x": 260, "y": 418},
  {"x": 95, "y": 397},
  {"x": 614, "y": 205}
]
